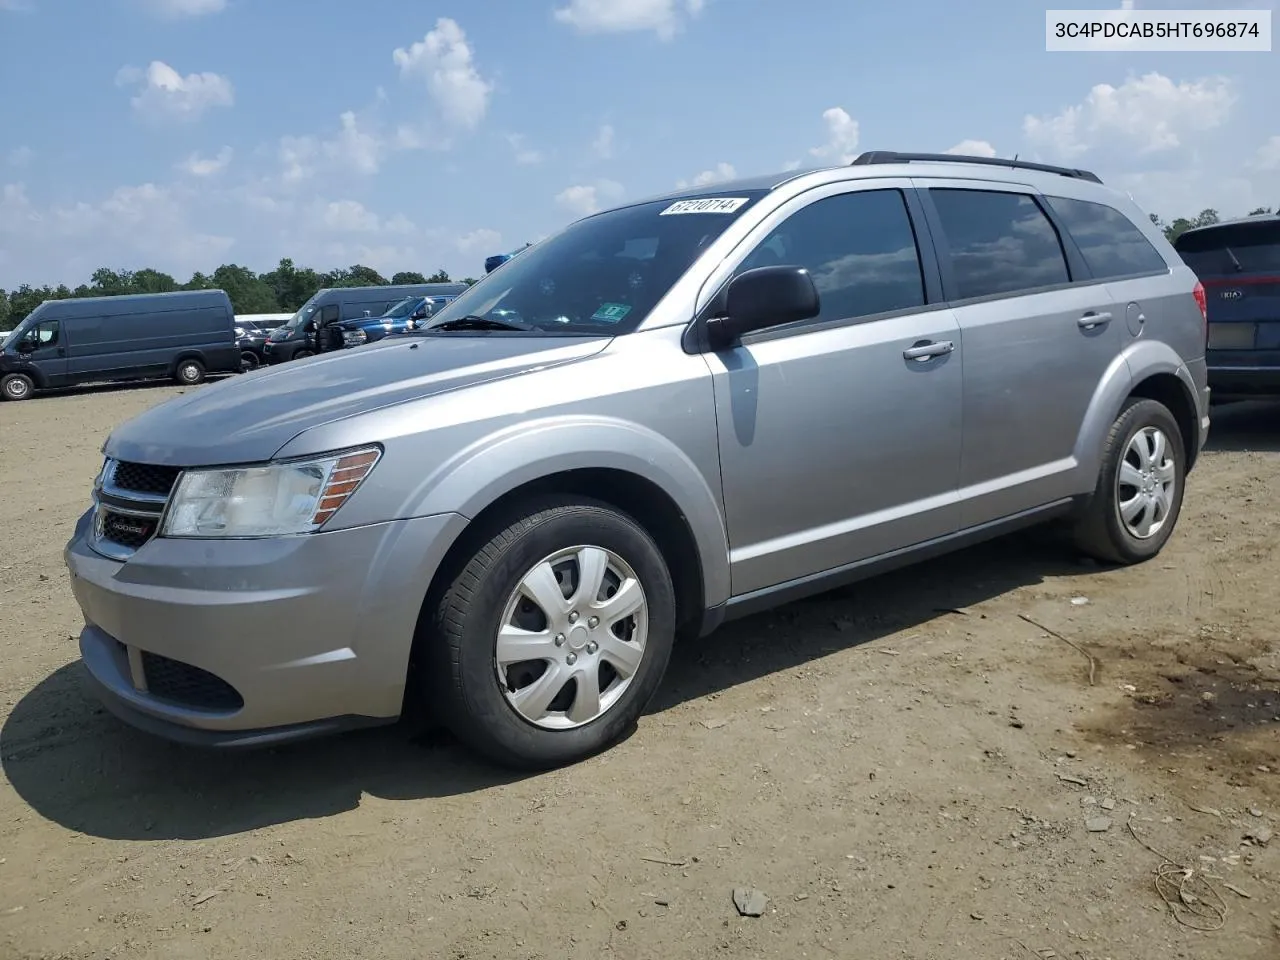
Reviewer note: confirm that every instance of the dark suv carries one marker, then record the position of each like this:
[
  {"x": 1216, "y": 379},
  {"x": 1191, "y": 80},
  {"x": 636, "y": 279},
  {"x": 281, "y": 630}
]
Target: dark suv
[{"x": 1239, "y": 264}]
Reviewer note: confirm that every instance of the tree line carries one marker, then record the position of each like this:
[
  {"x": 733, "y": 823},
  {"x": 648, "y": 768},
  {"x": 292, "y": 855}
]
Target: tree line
[
  {"x": 282, "y": 290},
  {"x": 288, "y": 287}
]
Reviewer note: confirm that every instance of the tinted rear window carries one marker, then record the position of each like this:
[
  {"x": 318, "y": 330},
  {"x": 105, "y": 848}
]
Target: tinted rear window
[
  {"x": 1231, "y": 250},
  {"x": 1108, "y": 240}
]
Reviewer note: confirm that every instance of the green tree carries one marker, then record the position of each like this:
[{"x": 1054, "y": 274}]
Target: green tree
[
  {"x": 362, "y": 276},
  {"x": 153, "y": 281},
  {"x": 4, "y": 311},
  {"x": 408, "y": 276},
  {"x": 248, "y": 292},
  {"x": 293, "y": 287},
  {"x": 468, "y": 280},
  {"x": 1260, "y": 212},
  {"x": 438, "y": 277}
]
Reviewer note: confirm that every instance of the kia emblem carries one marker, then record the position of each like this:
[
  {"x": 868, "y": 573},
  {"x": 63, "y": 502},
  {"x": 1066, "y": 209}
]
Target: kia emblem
[{"x": 1232, "y": 294}]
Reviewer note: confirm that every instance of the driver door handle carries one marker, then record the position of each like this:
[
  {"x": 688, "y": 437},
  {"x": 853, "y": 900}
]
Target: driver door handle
[
  {"x": 926, "y": 350},
  {"x": 1091, "y": 321}
]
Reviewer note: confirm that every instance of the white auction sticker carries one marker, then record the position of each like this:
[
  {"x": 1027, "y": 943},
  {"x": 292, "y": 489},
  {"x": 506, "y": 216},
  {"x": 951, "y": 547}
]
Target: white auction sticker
[{"x": 705, "y": 205}]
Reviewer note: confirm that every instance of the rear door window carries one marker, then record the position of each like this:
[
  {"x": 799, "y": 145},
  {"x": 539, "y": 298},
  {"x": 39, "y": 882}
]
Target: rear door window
[
  {"x": 1000, "y": 243},
  {"x": 1108, "y": 240}
]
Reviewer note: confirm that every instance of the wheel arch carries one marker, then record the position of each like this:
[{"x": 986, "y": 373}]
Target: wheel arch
[
  {"x": 1149, "y": 369},
  {"x": 184, "y": 355}
]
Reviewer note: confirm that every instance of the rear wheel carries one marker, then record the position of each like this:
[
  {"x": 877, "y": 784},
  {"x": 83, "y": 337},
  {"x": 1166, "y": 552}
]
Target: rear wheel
[
  {"x": 303, "y": 354},
  {"x": 189, "y": 372},
  {"x": 552, "y": 639},
  {"x": 1133, "y": 510},
  {"x": 16, "y": 386}
]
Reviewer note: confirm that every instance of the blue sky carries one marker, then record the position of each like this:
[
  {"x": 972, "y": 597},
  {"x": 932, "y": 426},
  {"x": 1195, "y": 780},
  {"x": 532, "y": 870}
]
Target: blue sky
[{"x": 410, "y": 134}]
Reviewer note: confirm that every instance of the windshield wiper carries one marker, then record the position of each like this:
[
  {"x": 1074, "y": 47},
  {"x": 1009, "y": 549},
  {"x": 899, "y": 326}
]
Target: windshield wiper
[
  {"x": 1234, "y": 260},
  {"x": 473, "y": 322}
]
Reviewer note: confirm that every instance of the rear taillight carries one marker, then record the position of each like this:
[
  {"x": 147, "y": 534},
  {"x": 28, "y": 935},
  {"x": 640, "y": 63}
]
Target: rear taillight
[{"x": 1201, "y": 302}]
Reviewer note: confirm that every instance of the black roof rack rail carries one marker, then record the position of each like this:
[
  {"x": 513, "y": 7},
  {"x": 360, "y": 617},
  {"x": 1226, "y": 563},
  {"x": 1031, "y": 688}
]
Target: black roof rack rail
[{"x": 888, "y": 156}]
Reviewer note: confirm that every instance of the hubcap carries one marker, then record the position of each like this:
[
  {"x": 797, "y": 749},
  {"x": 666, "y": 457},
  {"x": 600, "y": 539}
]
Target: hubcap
[
  {"x": 572, "y": 637},
  {"x": 1147, "y": 483},
  {"x": 16, "y": 389}
]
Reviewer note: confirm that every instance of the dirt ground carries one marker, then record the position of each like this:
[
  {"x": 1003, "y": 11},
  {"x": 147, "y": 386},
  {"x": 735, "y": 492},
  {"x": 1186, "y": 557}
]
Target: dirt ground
[{"x": 905, "y": 769}]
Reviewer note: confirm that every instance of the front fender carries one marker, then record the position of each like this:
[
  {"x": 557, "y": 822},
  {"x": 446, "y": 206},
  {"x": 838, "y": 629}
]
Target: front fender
[
  {"x": 1140, "y": 360},
  {"x": 479, "y": 475}
]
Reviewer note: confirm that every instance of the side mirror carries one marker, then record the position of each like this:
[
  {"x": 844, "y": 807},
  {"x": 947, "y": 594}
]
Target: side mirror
[
  {"x": 26, "y": 344},
  {"x": 309, "y": 327},
  {"x": 761, "y": 298}
]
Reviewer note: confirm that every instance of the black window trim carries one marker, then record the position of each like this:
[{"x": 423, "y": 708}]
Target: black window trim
[
  {"x": 1078, "y": 274},
  {"x": 694, "y": 339},
  {"x": 1087, "y": 277}
]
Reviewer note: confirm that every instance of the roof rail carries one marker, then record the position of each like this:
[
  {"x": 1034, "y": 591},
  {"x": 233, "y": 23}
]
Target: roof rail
[{"x": 888, "y": 156}]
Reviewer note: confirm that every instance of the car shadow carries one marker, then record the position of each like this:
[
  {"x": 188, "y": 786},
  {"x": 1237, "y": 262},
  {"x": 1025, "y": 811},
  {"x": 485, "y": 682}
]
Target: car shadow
[
  {"x": 1248, "y": 426},
  {"x": 118, "y": 386},
  {"x": 78, "y": 766}
]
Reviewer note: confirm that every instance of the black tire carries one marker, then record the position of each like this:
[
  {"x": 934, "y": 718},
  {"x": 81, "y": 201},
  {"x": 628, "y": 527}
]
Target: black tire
[
  {"x": 302, "y": 354},
  {"x": 462, "y": 620},
  {"x": 1100, "y": 531},
  {"x": 248, "y": 361},
  {"x": 189, "y": 372},
  {"x": 16, "y": 386}
]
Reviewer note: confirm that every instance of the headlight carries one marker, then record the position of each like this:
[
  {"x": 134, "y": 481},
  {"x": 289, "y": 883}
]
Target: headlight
[
  {"x": 240, "y": 333},
  {"x": 352, "y": 337},
  {"x": 271, "y": 500}
]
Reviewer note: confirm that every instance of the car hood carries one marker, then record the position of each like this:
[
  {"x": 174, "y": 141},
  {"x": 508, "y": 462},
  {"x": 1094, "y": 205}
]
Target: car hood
[{"x": 247, "y": 418}]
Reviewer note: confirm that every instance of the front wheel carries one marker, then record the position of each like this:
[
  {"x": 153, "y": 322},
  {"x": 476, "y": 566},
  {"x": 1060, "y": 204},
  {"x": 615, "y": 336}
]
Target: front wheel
[
  {"x": 303, "y": 354},
  {"x": 547, "y": 646},
  {"x": 16, "y": 386},
  {"x": 248, "y": 361},
  {"x": 1132, "y": 512}
]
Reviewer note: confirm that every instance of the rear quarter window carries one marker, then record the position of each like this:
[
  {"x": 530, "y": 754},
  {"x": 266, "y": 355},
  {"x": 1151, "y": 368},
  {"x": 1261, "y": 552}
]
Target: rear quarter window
[{"x": 1112, "y": 246}]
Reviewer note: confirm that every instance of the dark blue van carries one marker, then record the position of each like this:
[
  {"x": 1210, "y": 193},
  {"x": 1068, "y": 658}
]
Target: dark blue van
[
  {"x": 1238, "y": 263},
  {"x": 62, "y": 343},
  {"x": 332, "y": 305}
]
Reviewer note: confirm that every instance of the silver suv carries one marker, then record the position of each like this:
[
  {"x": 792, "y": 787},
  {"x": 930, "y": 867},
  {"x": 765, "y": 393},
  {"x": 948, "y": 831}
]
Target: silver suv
[{"x": 670, "y": 414}]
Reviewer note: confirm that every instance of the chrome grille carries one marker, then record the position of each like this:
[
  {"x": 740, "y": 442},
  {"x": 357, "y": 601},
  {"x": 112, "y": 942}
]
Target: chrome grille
[{"x": 129, "y": 502}]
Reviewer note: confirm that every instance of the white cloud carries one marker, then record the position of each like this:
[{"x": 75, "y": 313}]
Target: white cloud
[
  {"x": 445, "y": 59},
  {"x": 20, "y": 156},
  {"x": 1268, "y": 156},
  {"x": 135, "y": 226},
  {"x": 602, "y": 145},
  {"x": 482, "y": 240},
  {"x": 584, "y": 199},
  {"x": 524, "y": 154},
  {"x": 349, "y": 216},
  {"x": 842, "y": 137},
  {"x": 186, "y": 8},
  {"x": 663, "y": 17},
  {"x": 167, "y": 94},
  {"x": 353, "y": 148},
  {"x": 972, "y": 148},
  {"x": 1144, "y": 115},
  {"x": 720, "y": 173},
  {"x": 199, "y": 166}
]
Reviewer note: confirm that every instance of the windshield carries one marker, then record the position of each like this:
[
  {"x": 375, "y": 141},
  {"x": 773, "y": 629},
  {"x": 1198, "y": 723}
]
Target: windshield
[
  {"x": 1230, "y": 250},
  {"x": 403, "y": 309},
  {"x": 302, "y": 316},
  {"x": 601, "y": 275}
]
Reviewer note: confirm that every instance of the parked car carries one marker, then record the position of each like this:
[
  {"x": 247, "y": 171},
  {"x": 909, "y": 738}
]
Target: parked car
[
  {"x": 63, "y": 343},
  {"x": 297, "y": 338},
  {"x": 400, "y": 318},
  {"x": 1238, "y": 262},
  {"x": 252, "y": 330},
  {"x": 691, "y": 408}
]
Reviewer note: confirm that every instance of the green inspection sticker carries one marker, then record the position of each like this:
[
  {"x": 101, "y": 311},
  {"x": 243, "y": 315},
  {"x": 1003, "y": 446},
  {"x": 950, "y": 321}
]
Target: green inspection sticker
[{"x": 611, "y": 312}]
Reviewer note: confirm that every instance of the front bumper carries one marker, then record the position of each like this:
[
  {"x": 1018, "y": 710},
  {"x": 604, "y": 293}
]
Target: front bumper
[{"x": 250, "y": 642}]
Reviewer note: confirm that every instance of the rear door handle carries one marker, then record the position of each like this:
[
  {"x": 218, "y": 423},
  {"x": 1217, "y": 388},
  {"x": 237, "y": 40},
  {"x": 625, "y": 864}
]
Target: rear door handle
[
  {"x": 1092, "y": 320},
  {"x": 927, "y": 350}
]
